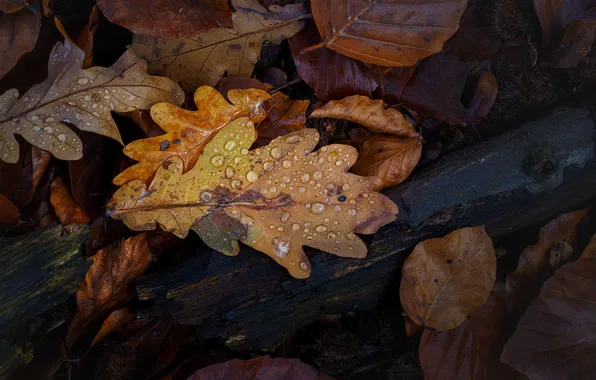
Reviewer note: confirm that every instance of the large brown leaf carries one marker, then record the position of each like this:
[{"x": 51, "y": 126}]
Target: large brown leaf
[
  {"x": 276, "y": 198},
  {"x": 538, "y": 262},
  {"x": 65, "y": 206},
  {"x": 168, "y": 18},
  {"x": 203, "y": 59},
  {"x": 556, "y": 337},
  {"x": 473, "y": 349},
  {"x": 445, "y": 280},
  {"x": 108, "y": 282},
  {"x": 18, "y": 35},
  {"x": 391, "y": 33},
  {"x": 84, "y": 98},
  {"x": 263, "y": 367},
  {"x": 18, "y": 181}
]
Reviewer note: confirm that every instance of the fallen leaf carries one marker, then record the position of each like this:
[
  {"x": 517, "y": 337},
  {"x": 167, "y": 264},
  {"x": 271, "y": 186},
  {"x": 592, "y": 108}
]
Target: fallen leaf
[
  {"x": 568, "y": 28},
  {"x": 471, "y": 350},
  {"x": 168, "y": 18},
  {"x": 399, "y": 33},
  {"x": 373, "y": 114},
  {"x": 390, "y": 158},
  {"x": 11, "y": 6},
  {"x": 483, "y": 99},
  {"x": 19, "y": 181},
  {"x": 275, "y": 198},
  {"x": 65, "y": 206},
  {"x": 444, "y": 280},
  {"x": 204, "y": 58},
  {"x": 412, "y": 328},
  {"x": 113, "y": 322},
  {"x": 555, "y": 337},
  {"x": 84, "y": 98},
  {"x": 108, "y": 282},
  {"x": 9, "y": 213},
  {"x": 263, "y": 367},
  {"x": 85, "y": 40},
  {"x": 538, "y": 262},
  {"x": 188, "y": 131},
  {"x": 18, "y": 34}
]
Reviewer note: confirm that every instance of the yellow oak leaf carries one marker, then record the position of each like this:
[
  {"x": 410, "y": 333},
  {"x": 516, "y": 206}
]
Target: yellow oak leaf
[
  {"x": 84, "y": 98},
  {"x": 276, "y": 199},
  {"x": 189, "y": 131}
]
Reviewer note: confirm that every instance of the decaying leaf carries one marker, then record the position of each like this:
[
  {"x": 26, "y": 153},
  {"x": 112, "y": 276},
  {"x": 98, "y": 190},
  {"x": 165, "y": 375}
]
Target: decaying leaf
[
  {"x": 9, "y": 213},
  {"x": 113, "y": 322},
  {"x": 11, "y": 6},
  {"x": 168, "y": 18},
  {"x": 65, "y": 206},
  {"x": 471, "y": 350},
  {"x": 203, "y": 60},
  {"x": 275, "y": 198},
  {"x": 538, "y": 262},
  {"x": 392, "y": 33},
  {"x": 107, "y": 283},
  {"x": 373, "y": 114},
  {"x": 445, "y": 280},
  {"x": 85, "y": 39},
  {"x": 390, "y": 158},
  {"x": 18, "y": 33},
  {"x": 555, "y": 338},
  {"x": 263, "y": 367},
  {"x": 19, "y": 181},
  {"x": 84, "y": 98},
  {"x": 189, "y": 131}
]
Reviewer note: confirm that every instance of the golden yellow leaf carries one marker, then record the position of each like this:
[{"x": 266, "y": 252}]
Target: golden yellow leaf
[
  {"x": 189, "y": 131},
  {"x": 84, "y": 98},
  {"x": 373, "y": 114},
  {"x": 390, "y": 158},
  {"x": 204, "y": 59},
  {"x": 445, "y": 280},
  {"x": 276, "y": 198}
]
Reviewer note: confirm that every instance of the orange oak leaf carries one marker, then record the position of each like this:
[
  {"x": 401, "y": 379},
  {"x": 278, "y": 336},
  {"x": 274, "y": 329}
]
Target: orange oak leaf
[
  {"x": 108, "y": 282},
  {"x": 275, "y": 199},
  {"x": 445, "y": 280},
  {"x": 187, "y": 132},
  {"x": 66, "y": 207},
  {"x": 389, "y": 33}
]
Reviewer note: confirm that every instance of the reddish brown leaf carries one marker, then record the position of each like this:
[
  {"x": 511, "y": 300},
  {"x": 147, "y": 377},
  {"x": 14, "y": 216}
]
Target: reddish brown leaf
[
  {"x": 84, "y": 40},
  {"x": 107, "y": 284},
  {"x": 555, "y": 338},
  {"x": 9, "y": 213},
  {"x": 263, "y": 367},
  {"x": 65, "y": 206},
  {"x": 392, "y": 33},
  {"x": 537, "y": 262},
  {"x": 18, "y": 35},
  {"x": 471, "y": 350},
  {"x": 114, "y": 321},
  {"x": 168, "y": 18}
]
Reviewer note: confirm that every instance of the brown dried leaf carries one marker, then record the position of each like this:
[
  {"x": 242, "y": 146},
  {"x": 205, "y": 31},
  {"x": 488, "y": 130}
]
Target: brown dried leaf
[
  {"x": 84, "y": 98},
  {"x": 11, "y": 6},
  {"x": 390, "y": 158},
  {"x": 18, "y": 34},
  {"x": 113, "y": 322},
  {"x": 19, "y": 181},
  {"x": 168, "y": 18},
  {"x": 412, "y": 328},
  {"x": 9, "y": 213},
  {"x": 188, "y": 131},
  {"x": 373, "y": 114},
  {"x": 263, "y": 367},
  {"x": 538, "y": 262},
  {"x": 85, "y": 40},
  {"x": 65, "y": 206},
  {"x": 471, "y": 350},
  {"x": 483, "y": 99},
  {"x": 108, "y": 282},
  {"x": 394, "y": 33},
  {"x": 445, "y": 280},
  {"x": 555, "y": 337},
  {"x": 203, "y": 59},
  {"x": 276, "y": 198}
]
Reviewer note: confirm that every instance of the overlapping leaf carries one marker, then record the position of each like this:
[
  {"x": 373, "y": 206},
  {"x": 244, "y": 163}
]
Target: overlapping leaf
[
  {"x": 203, "y": 60},
  {"x": 275, "y": 198},
  {"x": 84, "y": 98},
  {"x": 19, "y": 30}
]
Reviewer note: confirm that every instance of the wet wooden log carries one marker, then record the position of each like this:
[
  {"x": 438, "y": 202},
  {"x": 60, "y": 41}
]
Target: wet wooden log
[{"x": 519, "y": 179}]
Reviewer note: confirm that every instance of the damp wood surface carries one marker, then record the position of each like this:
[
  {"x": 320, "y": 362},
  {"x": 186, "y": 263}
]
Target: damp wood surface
[{"x": 519, "y": 179}]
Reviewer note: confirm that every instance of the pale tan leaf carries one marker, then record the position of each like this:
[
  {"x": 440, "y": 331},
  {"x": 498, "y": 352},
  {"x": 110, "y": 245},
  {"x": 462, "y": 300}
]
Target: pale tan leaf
[{"x": 84, "y": 98}]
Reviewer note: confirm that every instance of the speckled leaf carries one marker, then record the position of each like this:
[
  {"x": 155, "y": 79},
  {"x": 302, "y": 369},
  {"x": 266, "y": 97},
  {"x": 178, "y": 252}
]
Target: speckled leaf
[
  {"x": 189, "y": 131},
  {"x": 84, "y": 98},
  {"x": 204, "y": 59},
  {"x": 276, "y": 199}
]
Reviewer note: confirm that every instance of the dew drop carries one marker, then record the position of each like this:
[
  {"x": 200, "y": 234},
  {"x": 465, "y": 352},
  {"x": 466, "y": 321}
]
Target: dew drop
[
  {"x": 48, "y": 130},
  {"x": 252, "y": 176},
  {"x": 352, "y": 212},
  {"x": 87, "y": 98},
  {"x": 304, "y": 177},
  {"x": 301, "y": 189},
  {"x": 331, "y": 235},
  {"x": 244, "y": 151},
  {"x": 83, "y": 81},
  {"x": 267, "y": 165},
  {"x": 229, "y": 172},
  {"x": 293, "y": 139},
  {"x": 237, "y": 160},
  {"x": 206, "y": 196},
  {"x": 217, "y": 161},
  {"x": 304, "y": 265},
  {"x": 287, "y": 164},
  {"x": 339, "y": 163},
  {"x": 94, "y": 105},
  {"x": 276, "y": 153},
  {"x": 62, "y": 137},
  {"x": 350, "y": 236},
  {"x": 36, "y": 129},
  {"x": 285, "y": 217},
  {"x": 230, "y": 145},
  {"x": 272, "y": 226},
  {"x": 280, "y": 229},
  {"x": 317, "y": 175},
  {"x": 235, "y": 184},
  {"x": 295, "y": 226},
  {"x": 286, "y": 179},
  {"x": 318, "y": 208},
  {"x": 321, "y": 228},
  {"x": 273, "y": 189}
]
